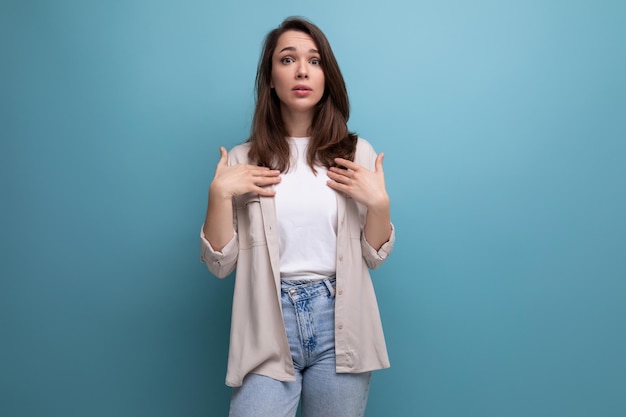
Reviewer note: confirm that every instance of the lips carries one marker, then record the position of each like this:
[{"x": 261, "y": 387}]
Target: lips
[{"x": 302, "y": 90}]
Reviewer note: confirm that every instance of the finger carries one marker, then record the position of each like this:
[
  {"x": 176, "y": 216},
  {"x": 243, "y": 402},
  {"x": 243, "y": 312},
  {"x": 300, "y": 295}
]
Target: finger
[
  {"x": 265, "y": 192},
  {"x": 267, "y": 181},
  {"x": 223, "y": 156},
  {"x": 337, "y": 185},
  {"x": 338, "y": 175},
  {"x": 379, "y": 162},
  {"x": 347, "y": 163},
  {"x": 264, "y": 172},
  {"x": 340, "y": 172},
  {"x": 257, "y": 169}
]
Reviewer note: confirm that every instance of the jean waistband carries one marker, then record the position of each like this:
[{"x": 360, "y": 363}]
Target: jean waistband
[{"x": 302, "y": 289}]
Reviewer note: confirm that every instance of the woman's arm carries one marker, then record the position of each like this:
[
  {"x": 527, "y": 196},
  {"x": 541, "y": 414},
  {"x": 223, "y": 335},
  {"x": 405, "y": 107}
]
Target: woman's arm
[
  {"x": 228, "y": 182},
  {"x": 368, "y": 188},
  {"x": 378, "y": 224}
]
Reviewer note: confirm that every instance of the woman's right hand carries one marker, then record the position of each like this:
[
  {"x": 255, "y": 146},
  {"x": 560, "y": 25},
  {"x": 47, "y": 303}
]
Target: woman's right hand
[{"x": 230, "y": 181}]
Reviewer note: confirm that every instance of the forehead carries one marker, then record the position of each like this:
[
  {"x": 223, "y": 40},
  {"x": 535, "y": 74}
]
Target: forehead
[{"x": 294, "y": 39}]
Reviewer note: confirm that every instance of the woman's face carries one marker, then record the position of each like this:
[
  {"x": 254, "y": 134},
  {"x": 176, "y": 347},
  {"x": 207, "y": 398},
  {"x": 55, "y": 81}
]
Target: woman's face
[{"x": 297, "y": 76}]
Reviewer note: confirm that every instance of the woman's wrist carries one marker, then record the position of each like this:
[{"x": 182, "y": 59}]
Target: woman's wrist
[
  {"x": 217, "y": 193},
  {"x": 380, "y": 206}
]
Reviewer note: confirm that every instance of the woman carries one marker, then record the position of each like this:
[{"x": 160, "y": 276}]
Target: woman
[{"x": 301, "y": 211}]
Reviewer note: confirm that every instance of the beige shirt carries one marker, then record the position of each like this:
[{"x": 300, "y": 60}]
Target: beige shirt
[{"x": 258, "y": 342}]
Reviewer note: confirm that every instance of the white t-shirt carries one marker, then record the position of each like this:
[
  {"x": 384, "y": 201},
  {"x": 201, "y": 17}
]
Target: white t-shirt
[{"x": 306, "y": 210}]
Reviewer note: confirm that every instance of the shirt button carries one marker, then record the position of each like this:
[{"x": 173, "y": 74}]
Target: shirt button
[
  {"x": 340, "y": 326},
  {"x": 340, "y": 258},
  {"x": 340, "y": 292}
]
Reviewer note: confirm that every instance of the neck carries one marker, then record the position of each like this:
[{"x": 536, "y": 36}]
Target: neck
[{"x": 297, "y": 124}]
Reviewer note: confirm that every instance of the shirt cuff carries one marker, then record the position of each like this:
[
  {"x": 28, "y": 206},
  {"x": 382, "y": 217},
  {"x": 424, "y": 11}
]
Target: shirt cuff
[
  {"x": 384, "y": 251},
  {"x": 208, "y": 255}
]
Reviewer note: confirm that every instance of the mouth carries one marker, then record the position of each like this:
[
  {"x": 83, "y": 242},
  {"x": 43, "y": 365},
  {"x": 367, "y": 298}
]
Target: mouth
[{"x": 301, "y": 88}]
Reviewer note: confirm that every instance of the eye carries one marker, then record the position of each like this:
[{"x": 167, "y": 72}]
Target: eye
[
  {"x": 315, "y": 61},
  {"x": 287, "y": 60}
]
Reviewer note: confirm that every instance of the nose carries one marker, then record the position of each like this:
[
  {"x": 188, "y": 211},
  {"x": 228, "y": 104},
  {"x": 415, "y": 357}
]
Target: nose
[{"x": 301, "y": 72}]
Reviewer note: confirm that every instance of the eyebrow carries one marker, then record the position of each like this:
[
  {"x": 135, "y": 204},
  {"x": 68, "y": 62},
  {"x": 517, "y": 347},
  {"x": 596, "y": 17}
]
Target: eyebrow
[{"x": 291, "y": 48}]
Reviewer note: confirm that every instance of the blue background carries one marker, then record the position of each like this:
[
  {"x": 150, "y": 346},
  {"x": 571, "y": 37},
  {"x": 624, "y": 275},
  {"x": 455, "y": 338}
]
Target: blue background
[{"x": 504, "y": 128}]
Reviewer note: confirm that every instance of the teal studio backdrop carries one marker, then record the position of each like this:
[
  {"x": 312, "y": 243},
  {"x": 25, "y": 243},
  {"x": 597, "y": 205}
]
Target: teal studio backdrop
[{"x": 504, "y": 128}]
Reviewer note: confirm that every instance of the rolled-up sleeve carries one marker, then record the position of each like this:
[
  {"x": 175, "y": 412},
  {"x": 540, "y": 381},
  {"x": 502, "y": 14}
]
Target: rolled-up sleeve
[
  {"x": 374, "y": 258},
  {"x": 220, "y": 263}
]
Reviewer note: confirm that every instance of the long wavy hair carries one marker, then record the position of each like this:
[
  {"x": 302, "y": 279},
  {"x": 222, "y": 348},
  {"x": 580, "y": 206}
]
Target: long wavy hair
[{"x": 329, "y": 134}]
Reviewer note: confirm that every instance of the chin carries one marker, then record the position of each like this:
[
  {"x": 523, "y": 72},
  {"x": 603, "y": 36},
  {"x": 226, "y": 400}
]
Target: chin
[{"x": 302, "y": 107}]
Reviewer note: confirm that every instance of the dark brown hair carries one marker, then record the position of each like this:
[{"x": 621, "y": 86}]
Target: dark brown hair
[{"x": 329, "y": 133}]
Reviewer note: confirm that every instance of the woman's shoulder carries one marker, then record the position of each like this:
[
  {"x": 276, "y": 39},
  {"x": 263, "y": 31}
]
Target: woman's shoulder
[
  {"x": 363, "y": 145},
  {"x": 365, "y": 153},
  {"x": 239, "y": 153}
]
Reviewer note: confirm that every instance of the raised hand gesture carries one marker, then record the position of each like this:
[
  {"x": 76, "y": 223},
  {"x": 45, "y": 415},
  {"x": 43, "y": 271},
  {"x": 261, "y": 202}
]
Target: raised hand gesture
[
  {"x": 230, "y": 181},
  {"x": 368, "y": 188},
  {"x": 365, "y": 186}
]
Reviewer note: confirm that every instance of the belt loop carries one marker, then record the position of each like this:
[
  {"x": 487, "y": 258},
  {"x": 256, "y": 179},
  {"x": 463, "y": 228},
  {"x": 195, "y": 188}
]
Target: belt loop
[{"x": 330, "y": 287}]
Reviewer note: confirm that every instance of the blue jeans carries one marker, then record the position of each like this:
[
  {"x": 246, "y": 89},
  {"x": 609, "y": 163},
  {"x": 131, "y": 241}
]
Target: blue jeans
[{"x": 309, "y": 315}]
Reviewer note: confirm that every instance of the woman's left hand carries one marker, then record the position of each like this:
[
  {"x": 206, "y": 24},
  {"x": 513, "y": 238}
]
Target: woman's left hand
[{"x": 365, "y": 186}]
